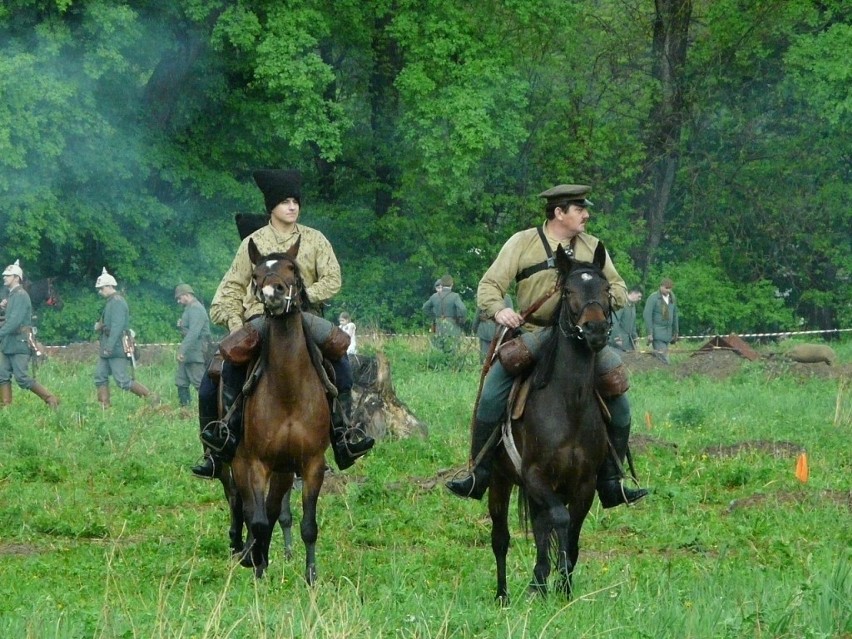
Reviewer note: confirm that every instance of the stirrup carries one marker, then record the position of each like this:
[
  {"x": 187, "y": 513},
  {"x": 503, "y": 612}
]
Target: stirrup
[
  {"x": 202, "y": 466},
  {"x": 216, "y": 435}
]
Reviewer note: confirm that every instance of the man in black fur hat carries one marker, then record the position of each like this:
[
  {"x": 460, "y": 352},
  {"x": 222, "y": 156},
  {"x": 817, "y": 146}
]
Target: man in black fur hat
[{"x": 233, "y": 305}]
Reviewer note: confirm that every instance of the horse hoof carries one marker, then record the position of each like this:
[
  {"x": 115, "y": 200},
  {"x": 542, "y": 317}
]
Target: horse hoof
[
  {"x": 311, "y": 575},
  {"x": 502, "y": 600}
]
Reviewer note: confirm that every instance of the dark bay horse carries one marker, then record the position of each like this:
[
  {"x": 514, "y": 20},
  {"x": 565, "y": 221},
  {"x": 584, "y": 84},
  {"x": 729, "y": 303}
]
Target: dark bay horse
[
  {"x": 561, "y": 437},
  {"x": 286, "y": 418}
]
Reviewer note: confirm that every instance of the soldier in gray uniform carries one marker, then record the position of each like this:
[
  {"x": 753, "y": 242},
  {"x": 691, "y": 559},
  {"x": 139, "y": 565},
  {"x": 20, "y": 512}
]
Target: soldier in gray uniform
[
  {"x": 661, "y": 319},
  {"x": 14, "y": 340},
  {"x": 448, "y": 314},
  {"x": 624, "y": 335},
  {"x": 111, "y": 329},
  {"x": 194, "y": 325}
]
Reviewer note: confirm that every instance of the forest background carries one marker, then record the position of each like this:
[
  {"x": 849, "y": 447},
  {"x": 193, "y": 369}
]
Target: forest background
[{"x": 717, "y": 135}]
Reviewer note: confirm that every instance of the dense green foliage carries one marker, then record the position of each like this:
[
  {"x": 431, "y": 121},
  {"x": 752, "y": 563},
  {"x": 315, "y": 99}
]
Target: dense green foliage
[
  {"x": 104, "y": 533},
  {"x": 129, "y": 128}
]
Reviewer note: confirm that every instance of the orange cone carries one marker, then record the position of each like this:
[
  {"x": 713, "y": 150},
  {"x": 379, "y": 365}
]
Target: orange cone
[{"x": 802, "y": 472}]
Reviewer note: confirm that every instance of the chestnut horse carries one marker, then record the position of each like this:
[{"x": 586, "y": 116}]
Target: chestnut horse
[
  {"x": 286, "y": 418},
  {"x": 561, "y": 437}
]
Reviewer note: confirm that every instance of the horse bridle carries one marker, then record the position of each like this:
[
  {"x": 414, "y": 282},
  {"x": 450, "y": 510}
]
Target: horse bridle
[
  {"x": 568, "y": 321},
  {"x": 291, "y": 299}
]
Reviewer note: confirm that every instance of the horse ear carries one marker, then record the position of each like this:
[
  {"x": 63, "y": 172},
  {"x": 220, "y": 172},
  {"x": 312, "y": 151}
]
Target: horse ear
[
  {"x": 293, "y": 251},
  {"x": 563, "y": 262},
  {"x": 253, "y": 253},
  {"x": 600, "y": 256}
]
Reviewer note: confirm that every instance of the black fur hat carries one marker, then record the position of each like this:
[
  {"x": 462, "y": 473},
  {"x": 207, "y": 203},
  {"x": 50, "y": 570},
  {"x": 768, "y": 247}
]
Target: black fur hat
[
  {"x": 277, "y": 185},
  {"x": 248, "y": 223}
]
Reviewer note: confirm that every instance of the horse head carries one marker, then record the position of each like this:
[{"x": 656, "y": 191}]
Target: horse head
[
  {"x": 586, "y": 309},
  {"x": 276, "y": 280}
]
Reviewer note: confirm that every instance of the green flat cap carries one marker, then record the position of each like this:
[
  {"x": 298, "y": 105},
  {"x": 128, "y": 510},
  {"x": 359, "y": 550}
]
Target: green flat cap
[
  {"x": 572, "y": 193},
  {"x": 183, "y": 289}
]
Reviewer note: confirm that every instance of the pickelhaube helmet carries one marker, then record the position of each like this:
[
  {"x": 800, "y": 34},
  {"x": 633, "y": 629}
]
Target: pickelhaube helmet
[
  {"x": 105, "y": 279},
  {"x": 14, "y": 269}
]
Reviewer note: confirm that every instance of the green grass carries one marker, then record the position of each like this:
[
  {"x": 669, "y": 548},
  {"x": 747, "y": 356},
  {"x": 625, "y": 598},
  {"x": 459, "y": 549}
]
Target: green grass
[{"x": 104, "y": 533}]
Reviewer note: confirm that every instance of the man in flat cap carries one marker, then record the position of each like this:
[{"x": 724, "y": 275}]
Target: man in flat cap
[
  {"x": 234, "y": 304},
  {"x": 15, "y": 352},
  {"x": 447, "y": 312},
  {"x": 527, "y": 258},
  {"x": 661, "y": 319},
  {"x": 194, "y": 325}
]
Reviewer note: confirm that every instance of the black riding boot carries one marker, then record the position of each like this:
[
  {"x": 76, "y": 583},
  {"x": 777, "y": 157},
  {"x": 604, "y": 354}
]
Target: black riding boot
[
  {"x": 348, "y": 442},
  {"x": 220, "y": 439},
  {"x": 611, "y": 491},
  {"x": 476, "y": 483}
]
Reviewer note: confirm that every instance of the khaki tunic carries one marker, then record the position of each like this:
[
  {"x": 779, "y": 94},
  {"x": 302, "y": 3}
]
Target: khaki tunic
[
  {"x": 524, "y": 249},
  {"x": 233, "y": 302}
]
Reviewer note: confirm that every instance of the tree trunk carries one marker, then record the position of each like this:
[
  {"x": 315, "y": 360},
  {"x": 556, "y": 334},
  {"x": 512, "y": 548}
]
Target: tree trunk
[{"x": 671, "y": 32}]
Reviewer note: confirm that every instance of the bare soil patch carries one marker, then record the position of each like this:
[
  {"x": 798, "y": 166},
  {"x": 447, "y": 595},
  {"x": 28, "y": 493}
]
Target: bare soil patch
[
  {"x": 781, "y": 450},
  {"x": 799, "y": 497}
]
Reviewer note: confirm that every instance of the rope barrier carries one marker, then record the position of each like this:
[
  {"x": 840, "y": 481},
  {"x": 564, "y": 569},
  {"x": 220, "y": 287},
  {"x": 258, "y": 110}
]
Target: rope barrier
[{"x": 377, "y": 335}]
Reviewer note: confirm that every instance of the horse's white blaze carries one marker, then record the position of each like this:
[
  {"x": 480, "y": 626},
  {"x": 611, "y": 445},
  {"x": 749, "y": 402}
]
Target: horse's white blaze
[
  {"x": 268, "y": 291},
  {"x": 271, "y": 263},
  {"x": 585, "y": 277}
]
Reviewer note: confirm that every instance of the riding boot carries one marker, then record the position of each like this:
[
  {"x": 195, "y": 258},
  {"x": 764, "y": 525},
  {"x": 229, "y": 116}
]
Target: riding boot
[
  {"x": 476, "y": 483},
  {"x": 211, "y": 463},
  {"x": 103, "y": 396},
  {"x": 611, "y": 491},
  {"x": 348, "y": 442},
  {"x": 222, "y": 438},
  {"x": 6, "y": 394},
  {"x": 183, "y": 395},
  {"x": 49, "y": 398}
]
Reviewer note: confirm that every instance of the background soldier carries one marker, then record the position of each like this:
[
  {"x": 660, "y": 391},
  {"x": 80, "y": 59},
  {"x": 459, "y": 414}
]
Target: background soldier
[
  {"x": 194, "y": 325},
  {"x": 661, "y": 320},
  {"x": 624, "y": 335},
  {"x": 14, "y": 340},
  {"x": 448, "y": 314},
  {"x": 111, "y": 329}
]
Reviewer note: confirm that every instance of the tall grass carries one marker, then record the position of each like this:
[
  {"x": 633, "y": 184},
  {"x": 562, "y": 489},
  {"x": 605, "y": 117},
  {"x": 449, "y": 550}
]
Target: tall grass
[{"x": 104, "y": 533}]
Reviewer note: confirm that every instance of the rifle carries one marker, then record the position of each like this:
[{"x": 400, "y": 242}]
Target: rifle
[{"x": 128, "y": 342}]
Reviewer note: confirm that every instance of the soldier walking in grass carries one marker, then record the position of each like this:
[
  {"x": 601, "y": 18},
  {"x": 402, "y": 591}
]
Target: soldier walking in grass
[
  {"x": 661, "y": 319},
  {"x": 194, "y": 325},
  {"x": 15, "y": 335},
  {"x": 112, "y": 327}
]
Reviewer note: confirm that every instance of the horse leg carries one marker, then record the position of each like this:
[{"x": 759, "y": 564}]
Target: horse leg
[
  {"x": 577, "y": 509},
  {"x": 279, "y": 487},
  {"x": 285, "y": 520},
  {"x": 541, "y": 532},
  {"x": 549, "y": 517},
  {"x": 313, "y": 475},
  {"x": 253, "y": 478},
  {"x": 235, "y": 506},
  {"x": 498, "y": 507}
]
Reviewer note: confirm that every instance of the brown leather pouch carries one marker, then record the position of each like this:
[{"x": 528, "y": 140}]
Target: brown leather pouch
[
  {"x": 240, "y": 347},
  {"x": 516, "y": 357},
  {"x": 215, "y": 368},
  {"x": 335, "y": 346},
  {"x": 613, "y": 383}
]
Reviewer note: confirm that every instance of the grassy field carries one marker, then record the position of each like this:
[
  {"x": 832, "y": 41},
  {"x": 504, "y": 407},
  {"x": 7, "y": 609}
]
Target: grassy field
[{"x": 104, "y": 533}]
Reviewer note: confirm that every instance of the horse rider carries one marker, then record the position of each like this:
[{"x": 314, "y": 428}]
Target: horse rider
[
  {"x": 112, "y": 329},
  {"x": 194, "y": 325},
  {"x": 15, "y": 351},
  {"x": 234, "y": 304},
  {"x": 527, "y": 258}
]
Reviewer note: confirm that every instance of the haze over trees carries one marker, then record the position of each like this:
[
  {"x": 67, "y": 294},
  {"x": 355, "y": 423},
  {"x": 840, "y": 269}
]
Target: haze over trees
[{"x": 716, "y": 135}]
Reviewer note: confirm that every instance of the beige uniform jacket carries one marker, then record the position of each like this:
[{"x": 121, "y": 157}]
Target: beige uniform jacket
[
  {"x": 233, "y": 302},
  {"x": 525, "y": 249}
]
